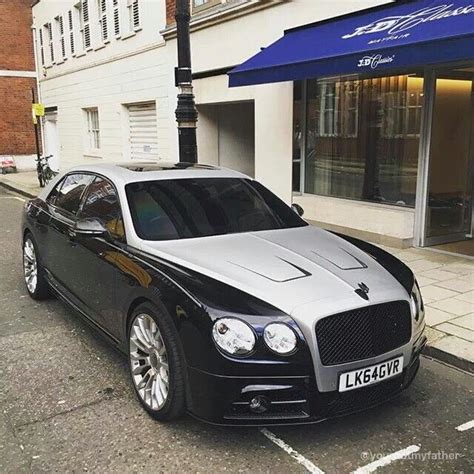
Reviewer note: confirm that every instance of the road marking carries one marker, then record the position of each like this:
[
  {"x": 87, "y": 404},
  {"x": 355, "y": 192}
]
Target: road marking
[
  {"x": 310, "y": 467},
  {"x": 386, "y": 460},
  {"x": 465, "y": 426}
]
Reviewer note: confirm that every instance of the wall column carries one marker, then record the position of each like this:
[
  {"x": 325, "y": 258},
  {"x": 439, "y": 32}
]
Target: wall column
[{"x": 274, "y": 137}]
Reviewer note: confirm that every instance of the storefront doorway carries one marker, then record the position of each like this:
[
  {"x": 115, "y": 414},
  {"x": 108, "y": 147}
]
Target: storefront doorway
[{"x": 450, "y": 172}]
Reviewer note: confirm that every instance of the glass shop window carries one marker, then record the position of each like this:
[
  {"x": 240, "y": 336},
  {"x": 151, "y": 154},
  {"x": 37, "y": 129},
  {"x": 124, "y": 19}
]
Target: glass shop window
[{"x": 362, "y": 138}]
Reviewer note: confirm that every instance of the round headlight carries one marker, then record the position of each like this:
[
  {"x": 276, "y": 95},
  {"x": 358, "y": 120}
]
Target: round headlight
[
  {"x": 417, "y": 302},
  {"x": 233, "y": 336},
  {"x": 280, "y": 338}
]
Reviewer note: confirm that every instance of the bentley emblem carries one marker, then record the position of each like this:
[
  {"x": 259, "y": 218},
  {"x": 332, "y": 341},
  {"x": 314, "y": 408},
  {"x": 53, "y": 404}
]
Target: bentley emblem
[{"x": 363, "y": 291}]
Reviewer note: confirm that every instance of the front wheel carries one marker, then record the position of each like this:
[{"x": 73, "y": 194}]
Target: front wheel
[
  {"x": 35, "y": 278},
  {"x": 156, "y": 363}
]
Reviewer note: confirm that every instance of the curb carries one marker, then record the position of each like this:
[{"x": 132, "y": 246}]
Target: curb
[
  {"x": 17, "y": 190},
  {"x": 449, "y": 358}
]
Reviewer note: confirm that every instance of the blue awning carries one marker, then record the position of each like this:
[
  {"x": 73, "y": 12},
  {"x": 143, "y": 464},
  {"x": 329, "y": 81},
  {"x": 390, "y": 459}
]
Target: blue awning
[{"x": 400, "y": 35}]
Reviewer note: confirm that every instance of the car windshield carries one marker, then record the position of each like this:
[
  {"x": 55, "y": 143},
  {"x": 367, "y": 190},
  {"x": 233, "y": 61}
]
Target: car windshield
[{"x": 199, "y": 207}]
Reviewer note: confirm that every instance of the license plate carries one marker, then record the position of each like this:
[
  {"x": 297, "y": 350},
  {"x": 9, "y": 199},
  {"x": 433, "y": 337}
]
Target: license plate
[{"x": 370, "y": 375}]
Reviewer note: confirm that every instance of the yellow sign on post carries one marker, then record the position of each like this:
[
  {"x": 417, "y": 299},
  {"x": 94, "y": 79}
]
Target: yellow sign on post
[{"x": 38, "y": 110}]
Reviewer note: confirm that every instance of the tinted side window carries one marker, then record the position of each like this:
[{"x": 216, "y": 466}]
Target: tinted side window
[
  {"x": 70, "y": 193},
  {"x": 51, "y": 199},
  {"x": 101, "y": 202}
]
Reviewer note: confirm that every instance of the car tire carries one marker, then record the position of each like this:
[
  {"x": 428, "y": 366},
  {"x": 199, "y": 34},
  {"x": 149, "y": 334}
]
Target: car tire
[
  {"x": 156, "y": 362},
  {"x": 33, "y": 270}
]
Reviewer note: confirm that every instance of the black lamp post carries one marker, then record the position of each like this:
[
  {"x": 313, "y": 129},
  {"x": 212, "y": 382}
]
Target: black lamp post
[{"x": 186, "y": 113}]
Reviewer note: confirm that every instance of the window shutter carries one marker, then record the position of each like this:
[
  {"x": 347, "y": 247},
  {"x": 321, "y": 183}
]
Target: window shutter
[
  {"x": 103, "y": 20},
  {"x": 41, "y": 45},
  {"x": 136, "y": 14},
  {"x": 143, "y": 131},
  {"x": 87, "y": 36},
  {"x": 116, "y": 18},
  {"x": 61, "y": 34},
  {"x": 71, "y": 31},
  {"x": 87, "y": 28},
  {"x": 51, "y": 45}
]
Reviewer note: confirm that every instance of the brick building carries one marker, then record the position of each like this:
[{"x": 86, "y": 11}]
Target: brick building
[{"x": 17, "y": 78}]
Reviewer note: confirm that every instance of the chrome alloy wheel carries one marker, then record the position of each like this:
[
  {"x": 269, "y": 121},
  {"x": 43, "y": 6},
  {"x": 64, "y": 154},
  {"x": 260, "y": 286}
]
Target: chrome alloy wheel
[
  {"x": 30, "y": 265},
  {"x": 149, "y": 362}
]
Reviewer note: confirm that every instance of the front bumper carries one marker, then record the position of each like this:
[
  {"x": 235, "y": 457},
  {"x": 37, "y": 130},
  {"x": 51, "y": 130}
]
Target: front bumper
[{"x": 288, "y": 400}]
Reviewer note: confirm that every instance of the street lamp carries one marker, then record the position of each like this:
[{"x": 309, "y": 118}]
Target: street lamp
[{"x": 186, "y": 113}]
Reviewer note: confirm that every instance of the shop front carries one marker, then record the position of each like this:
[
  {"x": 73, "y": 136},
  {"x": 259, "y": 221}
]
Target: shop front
[{"x": 383, "y": 116}]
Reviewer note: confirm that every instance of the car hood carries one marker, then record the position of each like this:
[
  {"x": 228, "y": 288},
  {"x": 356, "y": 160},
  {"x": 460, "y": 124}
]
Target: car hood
[{"x": 287, "y": 268}]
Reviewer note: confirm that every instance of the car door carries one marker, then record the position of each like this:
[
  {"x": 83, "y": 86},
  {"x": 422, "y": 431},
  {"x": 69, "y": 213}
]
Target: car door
[
  {"x": 95, "y": 265},
  {"x": 63, "y": 206}
]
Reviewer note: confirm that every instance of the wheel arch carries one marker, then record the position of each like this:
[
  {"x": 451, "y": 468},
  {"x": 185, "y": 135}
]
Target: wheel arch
[{"x": 132, "y": 307}]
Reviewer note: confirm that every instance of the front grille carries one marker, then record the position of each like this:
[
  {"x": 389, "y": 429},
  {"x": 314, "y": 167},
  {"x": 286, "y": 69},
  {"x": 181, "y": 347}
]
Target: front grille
[{"x": 363, "y": 333}]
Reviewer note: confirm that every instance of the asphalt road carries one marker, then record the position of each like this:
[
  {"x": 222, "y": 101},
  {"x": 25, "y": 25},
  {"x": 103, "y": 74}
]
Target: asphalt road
[{"x": 66, "y": 405}]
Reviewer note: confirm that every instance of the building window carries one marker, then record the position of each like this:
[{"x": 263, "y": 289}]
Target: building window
[
  {"x": 60, "y": 30},
  {"x": 93, "y": 133},
  {"x": 49, "y": 31},
  {"x": 116, "y": 12},
  {"x": 339, "y": 108},
  {"x": 70, "y": 21},
  {"x": 84, "y": 24},
  {"x": 103, "y": 23},
  {"x": 133, "y": 14},
  {"x": 199, "y": 5},
  {"x": 361, "y": 138},
  {"x": 403, "y": 112}
]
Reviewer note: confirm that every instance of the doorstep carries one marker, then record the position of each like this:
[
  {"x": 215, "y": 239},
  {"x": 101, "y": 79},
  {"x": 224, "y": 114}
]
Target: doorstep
[{"x": 446, "y": 281}]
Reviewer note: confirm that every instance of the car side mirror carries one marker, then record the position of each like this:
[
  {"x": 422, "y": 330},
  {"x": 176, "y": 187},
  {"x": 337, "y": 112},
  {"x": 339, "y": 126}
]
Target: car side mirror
[
  {"x": 298, "y": 209},
  {"x": 90, "y": 227}
]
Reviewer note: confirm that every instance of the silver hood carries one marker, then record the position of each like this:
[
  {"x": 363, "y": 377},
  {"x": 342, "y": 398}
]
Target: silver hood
[{"x": 288, "y": 268}]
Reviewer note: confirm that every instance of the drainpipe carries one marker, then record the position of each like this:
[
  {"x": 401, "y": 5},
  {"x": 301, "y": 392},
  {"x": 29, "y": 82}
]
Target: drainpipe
[
  {"x": 38, "y": 91},
  {"x": 186, "y": 113}
]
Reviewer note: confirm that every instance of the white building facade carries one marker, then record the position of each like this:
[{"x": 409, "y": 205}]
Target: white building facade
[
  {"x": 112, "y": 96},
  {"x": 103, "y": 79}
]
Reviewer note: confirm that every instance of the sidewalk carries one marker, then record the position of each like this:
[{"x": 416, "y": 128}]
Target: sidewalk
[
  {"x": 446, "y": 281},
  {"x": 25, "y": 183}
]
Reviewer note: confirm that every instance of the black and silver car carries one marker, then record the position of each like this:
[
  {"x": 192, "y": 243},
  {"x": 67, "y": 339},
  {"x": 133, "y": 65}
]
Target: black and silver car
[{"x": 226, "y": 302}]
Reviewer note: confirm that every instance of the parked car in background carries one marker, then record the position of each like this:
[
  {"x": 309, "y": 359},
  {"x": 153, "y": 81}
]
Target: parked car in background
[{"x": 227, "y": 303}]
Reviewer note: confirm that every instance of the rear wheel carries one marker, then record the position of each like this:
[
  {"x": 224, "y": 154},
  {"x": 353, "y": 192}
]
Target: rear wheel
[
  {"x": 35, "y": 278},
  {"x": 156, "y": 363}
]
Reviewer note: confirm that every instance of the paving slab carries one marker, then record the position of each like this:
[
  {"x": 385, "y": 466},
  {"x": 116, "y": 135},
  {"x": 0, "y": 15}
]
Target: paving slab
[
  {"x": 438, "y": 275},
  {"x": 458, "y": 331},
  {"x": 453, "y": 306},
  {"x": 466, "y": 321},
  {"x": 434, "y": 316},
  {"x": 468, "y": 296},
  {"x": 457, "y": 284},
  {"x": 435, "y": 293}
]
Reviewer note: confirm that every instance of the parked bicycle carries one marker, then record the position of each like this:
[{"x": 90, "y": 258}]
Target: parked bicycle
[{"x": 45, "y": 173}]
